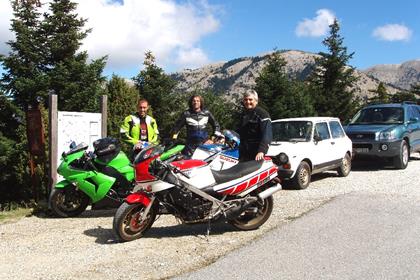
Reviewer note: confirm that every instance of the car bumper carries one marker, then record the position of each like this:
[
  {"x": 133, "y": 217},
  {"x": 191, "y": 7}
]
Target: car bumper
[
  {"x": 285, "y": 173},
  {"x": 377, "y": 149}
]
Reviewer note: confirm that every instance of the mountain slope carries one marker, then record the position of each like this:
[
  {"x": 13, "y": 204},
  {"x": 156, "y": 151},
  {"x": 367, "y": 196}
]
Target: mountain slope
[
  {"x": 400, "y": 75},
  {"x": 235, "y": 76}
]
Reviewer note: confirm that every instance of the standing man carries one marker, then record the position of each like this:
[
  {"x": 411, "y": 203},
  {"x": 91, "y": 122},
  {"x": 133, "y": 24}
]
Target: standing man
[
  {"x": 140, "y": 127},
  {"x": 195, "y": 119},
  {"x": 254, "y": 129}
]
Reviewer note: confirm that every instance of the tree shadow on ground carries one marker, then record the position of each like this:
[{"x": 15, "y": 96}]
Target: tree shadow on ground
[
  {"x": 106, "y": 235},
  {"x": 88, "y": 213}
]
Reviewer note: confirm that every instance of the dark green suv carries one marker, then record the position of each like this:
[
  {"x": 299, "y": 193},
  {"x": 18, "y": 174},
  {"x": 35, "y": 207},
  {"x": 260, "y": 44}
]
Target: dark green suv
[{"x": 387, "y": 131}]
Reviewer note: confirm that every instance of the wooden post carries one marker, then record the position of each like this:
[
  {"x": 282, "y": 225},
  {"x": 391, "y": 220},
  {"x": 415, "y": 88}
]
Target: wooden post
[
  {"x": 104, "y": 117},
  {"x": 53, "y": 140}
]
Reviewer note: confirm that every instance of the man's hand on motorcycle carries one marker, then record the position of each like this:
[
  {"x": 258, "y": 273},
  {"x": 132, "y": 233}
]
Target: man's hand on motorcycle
[
  {"x": 259, "y": 156},
  {"x": 138, "y": 146}
]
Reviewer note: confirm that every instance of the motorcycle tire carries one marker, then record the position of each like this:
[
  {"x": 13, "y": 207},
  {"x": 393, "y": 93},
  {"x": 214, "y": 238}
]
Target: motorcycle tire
[
  {"x": 255, "y": 216},
  {"x": 68, "y": 202},
  {"x": 126, "y": 224}
]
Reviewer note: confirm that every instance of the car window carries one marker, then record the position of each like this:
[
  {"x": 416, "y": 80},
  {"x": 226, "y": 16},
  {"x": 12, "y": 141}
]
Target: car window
[
  {"x": 413, "y": 112},
  {"x": 336, "y": 129},
  {"x": 321, "y": 130},
  {"x": 292, "y": 131},
  {"x": 379, "y": 115}
]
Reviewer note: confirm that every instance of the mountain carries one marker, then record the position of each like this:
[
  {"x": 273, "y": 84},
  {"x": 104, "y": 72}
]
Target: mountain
[
  {"x": 235, "y": 76},
  {"x": 400, "y": 75}
]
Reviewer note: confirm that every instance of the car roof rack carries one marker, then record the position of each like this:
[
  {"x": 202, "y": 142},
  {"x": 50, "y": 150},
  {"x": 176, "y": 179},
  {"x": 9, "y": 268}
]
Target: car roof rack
[{"x": 409, "y": 102}]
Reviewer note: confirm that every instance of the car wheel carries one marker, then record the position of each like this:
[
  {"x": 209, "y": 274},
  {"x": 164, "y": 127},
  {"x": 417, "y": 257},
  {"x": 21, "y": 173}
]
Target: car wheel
[
  {"x": 302, "y": 177},
  {"x": 401, "y": 161},
  {"x": 345, "y": 166}
]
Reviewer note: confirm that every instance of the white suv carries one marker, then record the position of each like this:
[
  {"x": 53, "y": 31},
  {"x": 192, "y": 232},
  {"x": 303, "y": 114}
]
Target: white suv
[{"x": 313, "y": 145}]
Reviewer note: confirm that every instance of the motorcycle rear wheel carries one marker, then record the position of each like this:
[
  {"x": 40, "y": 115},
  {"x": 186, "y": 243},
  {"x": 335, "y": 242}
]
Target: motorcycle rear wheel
[
  {"x": 255, "y": 216},
  {"x": 128, "y": 223},
  {"x": 68, "y": 202}
]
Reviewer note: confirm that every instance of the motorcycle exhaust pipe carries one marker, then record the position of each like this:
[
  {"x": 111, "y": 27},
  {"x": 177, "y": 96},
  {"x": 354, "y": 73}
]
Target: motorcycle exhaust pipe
[{"x": 263, "y": 195}]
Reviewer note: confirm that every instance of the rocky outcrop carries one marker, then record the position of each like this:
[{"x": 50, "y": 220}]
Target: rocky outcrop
[{"x": 237, "y": 75}]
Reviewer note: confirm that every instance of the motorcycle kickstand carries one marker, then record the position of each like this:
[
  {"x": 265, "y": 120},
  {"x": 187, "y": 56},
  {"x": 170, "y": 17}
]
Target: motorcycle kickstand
[{"x": 208, "y": 230}]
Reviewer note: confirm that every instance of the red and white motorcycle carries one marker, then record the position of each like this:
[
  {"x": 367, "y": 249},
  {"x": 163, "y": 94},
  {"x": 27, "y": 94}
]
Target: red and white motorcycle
[{"x": 192, "y": 192}]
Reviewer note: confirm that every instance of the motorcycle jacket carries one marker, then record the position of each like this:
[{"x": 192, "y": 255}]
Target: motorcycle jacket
[
  {"x": 255, "y": 133},
  {"x": 131, "y": 129},
  {"x": 196, "y": 124}
]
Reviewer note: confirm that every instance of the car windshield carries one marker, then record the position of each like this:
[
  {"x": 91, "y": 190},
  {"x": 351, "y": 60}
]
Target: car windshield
[
  {"x": 379, "y": 115},
  {"x": 292, "y": 131}
]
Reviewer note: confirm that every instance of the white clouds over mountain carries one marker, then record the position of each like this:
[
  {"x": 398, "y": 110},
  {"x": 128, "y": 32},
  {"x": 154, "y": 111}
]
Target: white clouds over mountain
[
  {"x": 124, "y": 30},
  {"x": 317, "y": 26},
  {"x": 393, "y": 32},
  {"x": 166, "y": 28}
]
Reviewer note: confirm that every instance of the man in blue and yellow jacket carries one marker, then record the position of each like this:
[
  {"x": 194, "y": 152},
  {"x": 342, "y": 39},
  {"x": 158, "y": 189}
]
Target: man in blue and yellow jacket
[{"x": 140, "y": 127}]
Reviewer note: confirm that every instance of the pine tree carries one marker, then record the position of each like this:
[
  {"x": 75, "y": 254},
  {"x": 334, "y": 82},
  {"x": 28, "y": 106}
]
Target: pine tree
[
  {"x": 381, "y": 94},
  {"x": 155, "y": 86},
  {"x": 280, "y": 96},
  {"x": 24, "y": 79},
  {"x": 122, "y": 101},
  {"x": 332, "y": 81},
  {"x": 415, "y": 89},
  {"x": 77, "y": 83}
]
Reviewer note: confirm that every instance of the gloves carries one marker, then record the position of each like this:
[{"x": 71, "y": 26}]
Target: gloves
[{"x": 138, "y": 146}]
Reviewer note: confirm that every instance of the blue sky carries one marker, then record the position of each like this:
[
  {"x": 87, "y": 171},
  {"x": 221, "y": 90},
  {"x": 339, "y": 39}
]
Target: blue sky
[{"x": 190, "y": 34}]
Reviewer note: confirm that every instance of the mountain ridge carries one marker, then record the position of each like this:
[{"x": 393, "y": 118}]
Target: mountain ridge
[{"x": 237, "y": 75}]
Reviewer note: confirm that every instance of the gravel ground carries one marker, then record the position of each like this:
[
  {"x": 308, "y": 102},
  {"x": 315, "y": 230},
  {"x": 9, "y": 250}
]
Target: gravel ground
[{"x": 84, "y": 247}]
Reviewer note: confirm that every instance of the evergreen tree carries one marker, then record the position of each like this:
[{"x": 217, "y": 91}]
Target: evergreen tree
[
  {"x": 155, "y": 86},
  {"x": 415, "y": 89},
  {"x": 281, "y": 97},
  {"x": 24, "y": 79},
  {"x": 13, "y": 158},
  {"x": 77, "y": 83},
  {"x": 332, "y": 81},
  {"x": 381, "y": 94},
  {"x": 122, "y": 101},
  {"x": 402, "y": 96}
]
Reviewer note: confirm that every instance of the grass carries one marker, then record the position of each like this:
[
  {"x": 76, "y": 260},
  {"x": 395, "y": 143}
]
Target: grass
[
  {"x": 15, "y": 215},
  {"x": 11, "y": 212}
]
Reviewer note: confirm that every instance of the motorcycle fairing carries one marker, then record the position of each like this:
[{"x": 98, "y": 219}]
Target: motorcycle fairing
[
  {"x": 185, "y": 165},
  {"x": 138, "y": 197},
  {"x": 62, "y": 184},
  {"x": 142, "y": 170},
  {"x": 265, "y": 172}
]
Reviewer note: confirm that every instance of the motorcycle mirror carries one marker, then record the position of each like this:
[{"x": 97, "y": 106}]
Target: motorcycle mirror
[{"x": 72, "y": 145}]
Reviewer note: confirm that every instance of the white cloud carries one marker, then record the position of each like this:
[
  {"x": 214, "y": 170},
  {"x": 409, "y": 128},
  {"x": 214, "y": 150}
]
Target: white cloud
[
  {"x": 392, "y": 32},
  {"x": 185, "y": 56},
  {"x": 124, "y": 30},
  {"x": 316, "y": 27},
  {"x": 5, "y": 34}
]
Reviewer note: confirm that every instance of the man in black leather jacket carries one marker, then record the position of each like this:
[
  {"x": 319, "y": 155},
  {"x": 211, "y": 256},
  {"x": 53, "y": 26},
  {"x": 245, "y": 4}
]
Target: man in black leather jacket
[
  {"x": 254, "y": 129},
  {"x": 196, "y": 120}
]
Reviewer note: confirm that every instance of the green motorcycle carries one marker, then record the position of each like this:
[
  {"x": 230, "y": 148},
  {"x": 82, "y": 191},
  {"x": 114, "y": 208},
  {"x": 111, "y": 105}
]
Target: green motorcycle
[{"x": 103, "y": 177}]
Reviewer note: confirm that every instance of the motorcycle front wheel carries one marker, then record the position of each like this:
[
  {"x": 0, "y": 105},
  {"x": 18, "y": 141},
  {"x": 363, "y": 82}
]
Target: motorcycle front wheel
[
  {"x": 129, "y": 223},
  {"x": 68, "y": 202},
  {"x": 255, "y": 216}
]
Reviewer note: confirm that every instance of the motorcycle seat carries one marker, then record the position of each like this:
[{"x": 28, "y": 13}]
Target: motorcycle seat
[{"x": 237, "y": 171}]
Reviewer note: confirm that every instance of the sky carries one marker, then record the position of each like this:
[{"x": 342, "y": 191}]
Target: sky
[{"x": 190, "y": 34}]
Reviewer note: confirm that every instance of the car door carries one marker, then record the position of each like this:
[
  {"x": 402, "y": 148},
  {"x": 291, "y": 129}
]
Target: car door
[
  {"x": 341, "y": 142},
  {"x": 413, "y": 126},
  {"x": 323, "y": 146}
]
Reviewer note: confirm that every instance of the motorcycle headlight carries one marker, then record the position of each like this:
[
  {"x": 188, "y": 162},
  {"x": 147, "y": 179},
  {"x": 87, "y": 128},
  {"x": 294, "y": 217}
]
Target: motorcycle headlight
[{"x": 387, "y": 135}]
